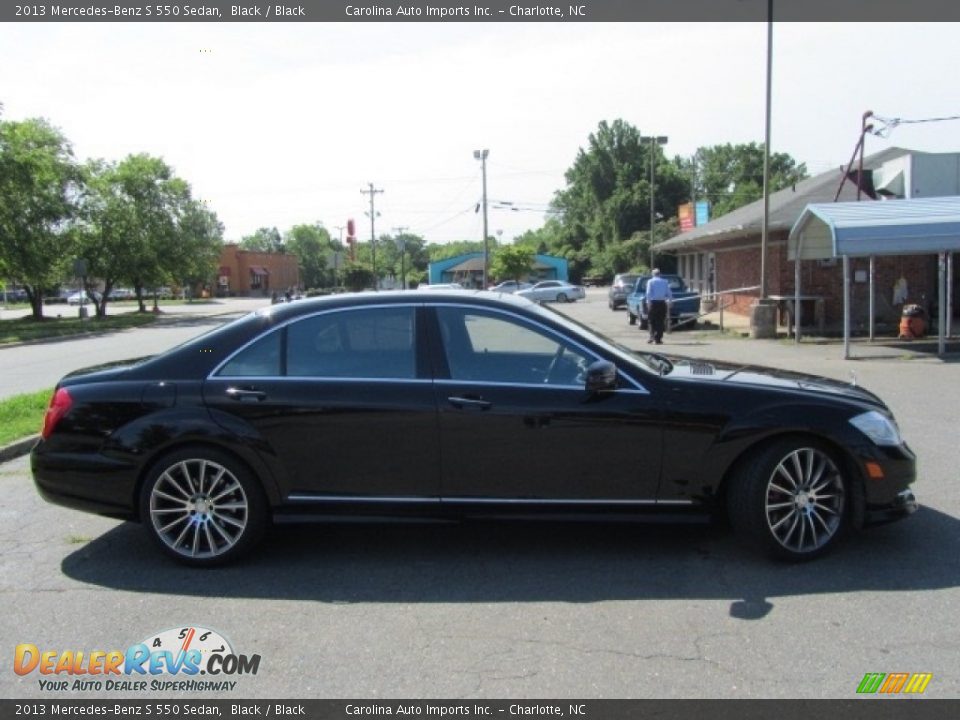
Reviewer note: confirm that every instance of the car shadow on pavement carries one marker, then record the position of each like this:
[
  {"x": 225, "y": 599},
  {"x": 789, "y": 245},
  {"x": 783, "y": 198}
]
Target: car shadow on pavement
[{"x": 535, "y": 562}]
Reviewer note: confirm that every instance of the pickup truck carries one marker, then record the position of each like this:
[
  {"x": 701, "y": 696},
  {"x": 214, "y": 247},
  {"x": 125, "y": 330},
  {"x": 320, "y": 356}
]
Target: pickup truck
[{"x": 684, "y": 308}]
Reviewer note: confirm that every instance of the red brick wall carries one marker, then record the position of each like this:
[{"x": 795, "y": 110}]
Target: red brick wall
[
  {"x": 741, "y": 268},
  {"x": 284, "y": 270}
]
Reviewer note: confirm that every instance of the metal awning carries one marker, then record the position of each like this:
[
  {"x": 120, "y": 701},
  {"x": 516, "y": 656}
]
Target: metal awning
[
  {"x": 890, "y": 227},
  {"x": 915, "y": 226},
  {"x": 259, "y": 270}
]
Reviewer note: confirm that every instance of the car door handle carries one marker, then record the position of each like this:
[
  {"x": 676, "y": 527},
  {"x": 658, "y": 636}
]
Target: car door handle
[
  {"x": 469, "y": 403},
  {"x": 242, "y": 395}
]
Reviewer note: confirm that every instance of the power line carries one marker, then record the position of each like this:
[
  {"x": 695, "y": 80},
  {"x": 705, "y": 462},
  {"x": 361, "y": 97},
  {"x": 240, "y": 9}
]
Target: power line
[{"x": 890, "y": 124}]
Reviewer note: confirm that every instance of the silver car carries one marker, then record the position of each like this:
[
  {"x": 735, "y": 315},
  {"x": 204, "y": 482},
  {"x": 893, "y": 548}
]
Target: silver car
[{"x": 550, "y": 290}]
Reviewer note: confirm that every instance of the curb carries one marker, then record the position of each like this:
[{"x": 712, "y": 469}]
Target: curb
[{"x": 18, "y": 448}]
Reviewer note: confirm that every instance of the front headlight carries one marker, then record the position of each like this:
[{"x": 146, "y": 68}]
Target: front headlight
[{"x": 878, "y": 427}]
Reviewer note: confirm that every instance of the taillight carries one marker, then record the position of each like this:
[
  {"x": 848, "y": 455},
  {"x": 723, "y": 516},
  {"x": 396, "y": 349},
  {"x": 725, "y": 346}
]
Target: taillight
[{"x": 60, "y": 405}]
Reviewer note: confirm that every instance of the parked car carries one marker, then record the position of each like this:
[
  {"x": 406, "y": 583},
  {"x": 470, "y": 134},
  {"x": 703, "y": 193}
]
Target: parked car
[
  {"x": 550, "y": 290},
  {"x": 441, "y": 286},
  {"x": 511, "y": 286},
  {"x": 122, "y": 294},
  {"x": 621, "y": 287},
  {"x": 85, "y": 297},
  {"x": 378, "y": 404},
  {"x": 683, "y": 309}
]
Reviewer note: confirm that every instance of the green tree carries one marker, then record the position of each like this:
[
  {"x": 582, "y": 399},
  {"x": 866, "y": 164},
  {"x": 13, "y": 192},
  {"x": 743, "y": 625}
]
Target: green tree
[
  {"x": 39, "y": 184},
  {"x": 730, "y": 176},
  {"x": 512, "y": 262},
  {"x": 312, "y": 245},
  {"x": 263, "y": 240},
  {"x": 607, "y": 198}
]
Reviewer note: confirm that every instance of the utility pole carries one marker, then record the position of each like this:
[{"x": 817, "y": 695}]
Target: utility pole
[
  {"x": 655, "y": 140},
  {"x": 481, "y": 155},
  {"x": 403, "y": 272},
  {"x": 372, "y": 192},
  {"x": 336, "y": 254}
]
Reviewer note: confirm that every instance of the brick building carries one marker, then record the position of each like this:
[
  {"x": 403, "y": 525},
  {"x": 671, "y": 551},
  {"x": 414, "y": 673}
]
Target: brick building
[
  {"x": 249, "y": 273},
  {"x": 724, "y": 254}
]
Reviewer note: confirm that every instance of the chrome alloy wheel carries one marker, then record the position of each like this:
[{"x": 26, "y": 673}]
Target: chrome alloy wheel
[
  {"x": 804, "y": 500},
  {"x": 198, "y": 508}
]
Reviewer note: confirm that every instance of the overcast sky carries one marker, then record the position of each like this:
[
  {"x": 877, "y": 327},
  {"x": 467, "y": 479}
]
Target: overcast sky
[{"x": 279, "y": 124}]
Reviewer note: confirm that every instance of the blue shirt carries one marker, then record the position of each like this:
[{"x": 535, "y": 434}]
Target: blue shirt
[{"x": 658, "y": 289}]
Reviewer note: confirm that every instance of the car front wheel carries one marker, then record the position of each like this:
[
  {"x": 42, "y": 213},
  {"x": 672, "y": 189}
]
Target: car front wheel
[
  {"x": 790, "y": 499},
  {"x": 202, "y": 506}
]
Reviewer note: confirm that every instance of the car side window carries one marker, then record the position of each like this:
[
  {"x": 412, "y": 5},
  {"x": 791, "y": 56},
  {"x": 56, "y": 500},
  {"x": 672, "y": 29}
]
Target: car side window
[
  {"x": 259, "y": 359},
  {"x": 367, "y": 343},
  {"x": 489, "y": 347}
]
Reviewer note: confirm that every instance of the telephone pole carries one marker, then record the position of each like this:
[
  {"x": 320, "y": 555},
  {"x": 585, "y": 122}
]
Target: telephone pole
[
  {"x": 372, "y": 192},
  {"x": 403, "y": 272}
]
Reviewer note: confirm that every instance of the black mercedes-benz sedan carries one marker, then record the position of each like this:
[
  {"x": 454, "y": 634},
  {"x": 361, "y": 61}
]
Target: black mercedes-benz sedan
[{"x": 460, "y": 404}]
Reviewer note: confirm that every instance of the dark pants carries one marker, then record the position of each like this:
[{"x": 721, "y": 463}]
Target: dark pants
[{"x": 658, "y": 319}]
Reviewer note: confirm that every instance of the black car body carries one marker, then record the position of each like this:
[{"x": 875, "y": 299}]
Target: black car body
[{"x": 412, "y": 404}]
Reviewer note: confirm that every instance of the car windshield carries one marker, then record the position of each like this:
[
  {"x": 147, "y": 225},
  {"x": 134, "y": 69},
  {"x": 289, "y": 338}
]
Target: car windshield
[{"x": 650, "y": 362}]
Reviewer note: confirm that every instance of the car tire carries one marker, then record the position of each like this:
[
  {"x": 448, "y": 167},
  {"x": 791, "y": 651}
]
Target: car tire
[
  {"x": 561, "y": 298},
  {"x": 202, "y": 506},
  {"x": 789, "y": 499},
  {"x": 611, "y": 305},
  {"x": 631, "y": 318}
]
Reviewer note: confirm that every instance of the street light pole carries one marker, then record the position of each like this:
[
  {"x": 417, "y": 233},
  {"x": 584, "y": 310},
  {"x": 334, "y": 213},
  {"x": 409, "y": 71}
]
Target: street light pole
[
  {"x": 481, "y": 155},
  {"x": 654, "y": 141}
]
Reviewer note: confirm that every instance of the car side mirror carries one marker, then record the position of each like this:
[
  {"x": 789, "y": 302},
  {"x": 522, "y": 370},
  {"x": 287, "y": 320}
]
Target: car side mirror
[{"x": 601, "y": 376}]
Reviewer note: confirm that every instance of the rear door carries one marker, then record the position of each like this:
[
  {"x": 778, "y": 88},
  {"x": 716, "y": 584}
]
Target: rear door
[{"x": 340, "y": 402}]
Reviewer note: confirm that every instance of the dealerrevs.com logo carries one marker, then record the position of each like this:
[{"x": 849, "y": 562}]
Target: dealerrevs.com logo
[{"x": 172, "y": 660}]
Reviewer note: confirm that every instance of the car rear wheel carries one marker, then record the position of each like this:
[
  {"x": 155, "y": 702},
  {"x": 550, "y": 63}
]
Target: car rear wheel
[
  {"x": 790, "y": 499},
  {"x": 562, "y": 298},
  {"x": 202, "y": 506}
]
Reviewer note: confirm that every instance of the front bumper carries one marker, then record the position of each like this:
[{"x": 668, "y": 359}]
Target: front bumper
[{"x": 904, "y": 505}]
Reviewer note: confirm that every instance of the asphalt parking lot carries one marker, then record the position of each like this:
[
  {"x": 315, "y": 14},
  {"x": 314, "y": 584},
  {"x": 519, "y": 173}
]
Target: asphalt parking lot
[{"x": 528, "y": 611}]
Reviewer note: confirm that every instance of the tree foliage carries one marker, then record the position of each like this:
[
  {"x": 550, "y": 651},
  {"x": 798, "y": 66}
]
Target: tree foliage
[
  {"x": 265, "y": 239},
  {"x": 312, "y": 245},
  {"x": 730, "y": 176},
  {"x": 39, "y": 183},
  {"x": 512, "y": 262}
]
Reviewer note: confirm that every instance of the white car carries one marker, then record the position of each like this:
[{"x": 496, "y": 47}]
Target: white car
[
  {"x": 510, "y": 286},
  {"x": 87, "y": 298},
  {"x": 550, "y": 290},
  {"x": 442, "y": 286}
]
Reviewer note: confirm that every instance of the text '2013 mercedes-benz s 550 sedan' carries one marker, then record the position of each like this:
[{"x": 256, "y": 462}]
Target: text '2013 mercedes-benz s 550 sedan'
[{"x": 411, "y": 404}]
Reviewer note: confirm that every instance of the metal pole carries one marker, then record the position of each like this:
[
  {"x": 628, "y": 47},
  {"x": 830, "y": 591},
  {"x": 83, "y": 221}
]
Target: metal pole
[
  {"x": 872, "y": 299},
  {"x": 486, "y": 241},
  {"x": 949, "y": 294},
  {"x": 653, "y": 145},
  {"x": 766, "y": 157},
  {"x": 942, "y": 310},
  {"x": 846, "y": 307},
  {"x": 796, "y": 290}
]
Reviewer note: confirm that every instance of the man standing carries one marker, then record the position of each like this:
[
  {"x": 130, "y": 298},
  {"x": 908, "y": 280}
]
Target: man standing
[{"x": 656, "y": 296}]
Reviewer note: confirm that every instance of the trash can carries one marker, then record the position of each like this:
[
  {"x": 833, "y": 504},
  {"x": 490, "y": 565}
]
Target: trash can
[{"x": 913, "y": 323}]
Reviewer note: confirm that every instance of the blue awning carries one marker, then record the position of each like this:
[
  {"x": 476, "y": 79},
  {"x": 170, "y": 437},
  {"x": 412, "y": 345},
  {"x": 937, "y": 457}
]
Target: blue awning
[{"x": 887, "y": 227}]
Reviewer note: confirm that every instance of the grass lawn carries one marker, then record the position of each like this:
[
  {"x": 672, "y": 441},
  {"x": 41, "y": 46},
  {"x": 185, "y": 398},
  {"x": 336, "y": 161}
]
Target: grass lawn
[
  {"x": 24, "y": 329},
  {"x": 22, "y": 415}
]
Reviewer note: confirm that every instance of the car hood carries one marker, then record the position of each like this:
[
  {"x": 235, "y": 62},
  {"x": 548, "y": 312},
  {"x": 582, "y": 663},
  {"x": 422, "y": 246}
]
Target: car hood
[{"x": 770, "y": 378}]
